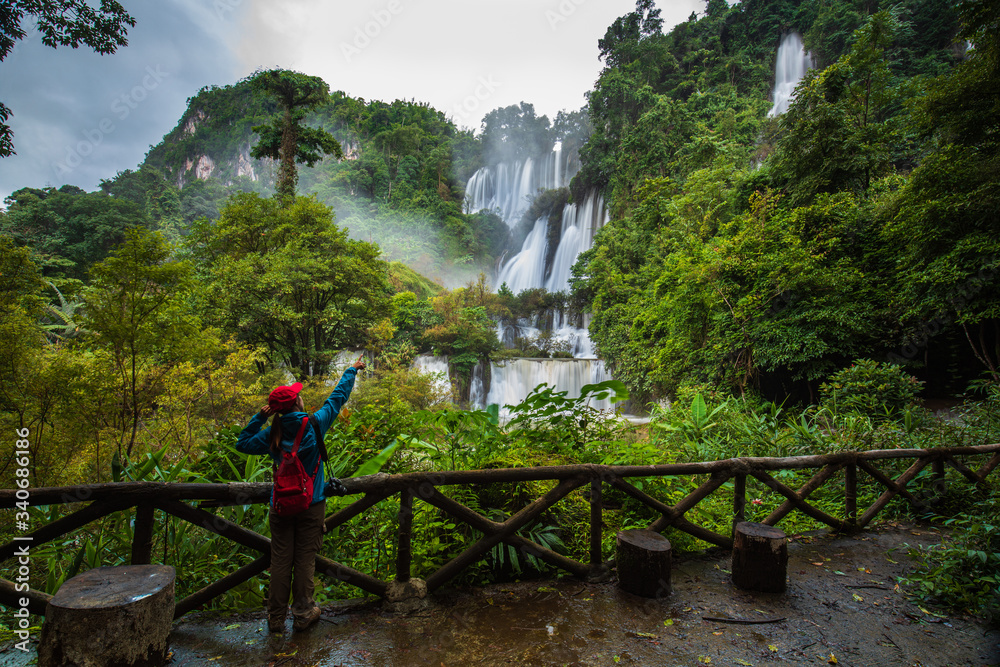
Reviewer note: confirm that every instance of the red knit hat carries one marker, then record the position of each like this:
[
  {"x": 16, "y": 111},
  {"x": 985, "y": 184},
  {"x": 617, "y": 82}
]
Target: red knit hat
[{"x": 282, "y": 399}]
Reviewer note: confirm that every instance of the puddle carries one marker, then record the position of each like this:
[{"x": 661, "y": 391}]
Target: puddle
[{"x": 568, "y": 622}]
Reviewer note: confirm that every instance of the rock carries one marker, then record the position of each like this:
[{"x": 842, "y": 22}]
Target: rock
[{"x": 404, "y": 597}]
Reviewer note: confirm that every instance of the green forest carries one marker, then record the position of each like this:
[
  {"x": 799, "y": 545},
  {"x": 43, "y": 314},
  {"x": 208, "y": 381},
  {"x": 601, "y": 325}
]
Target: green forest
[{"x": 765, "y": 286}]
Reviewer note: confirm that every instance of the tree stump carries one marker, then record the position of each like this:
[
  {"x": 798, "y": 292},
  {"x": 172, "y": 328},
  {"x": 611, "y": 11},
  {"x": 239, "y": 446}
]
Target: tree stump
[
  {"x": 643, "y": 561},
  {"x": 110, "y": 617},
  {"x": 760, "y": 557}
]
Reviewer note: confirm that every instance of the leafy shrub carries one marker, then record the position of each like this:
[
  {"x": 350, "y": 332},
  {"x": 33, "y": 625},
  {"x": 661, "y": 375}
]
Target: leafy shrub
[
  {"x": 875, "y": 389},
  {"x": 963, "y": 571}
]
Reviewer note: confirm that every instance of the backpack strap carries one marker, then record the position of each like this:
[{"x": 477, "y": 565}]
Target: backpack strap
[
  {"x": 298, "y": 436},
  {"x": 319, "y": 437}
]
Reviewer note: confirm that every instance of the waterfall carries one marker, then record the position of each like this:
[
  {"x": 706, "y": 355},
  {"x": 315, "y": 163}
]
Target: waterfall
[
  {"x": 792, "y": 64},
  {"x": 527, "y": 268},
  {"x": 578, "y": 227},
  {"x": 509, "y": 189},
  {"x": 515, "y": 379},
  {"x": 438, "y": 366}
]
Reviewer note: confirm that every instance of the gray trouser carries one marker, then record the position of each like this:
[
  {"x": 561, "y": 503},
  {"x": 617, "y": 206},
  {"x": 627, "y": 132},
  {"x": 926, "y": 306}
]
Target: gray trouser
[{"x": 295, "y": 541}]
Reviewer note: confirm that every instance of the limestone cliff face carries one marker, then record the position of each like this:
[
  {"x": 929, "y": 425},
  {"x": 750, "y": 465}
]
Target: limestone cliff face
[
  {"x": 192, "y": 124},
  {"x": 244, "y": 165},
  {"x": 214, "y": 137},
  {"x": 227, "y": 167}
]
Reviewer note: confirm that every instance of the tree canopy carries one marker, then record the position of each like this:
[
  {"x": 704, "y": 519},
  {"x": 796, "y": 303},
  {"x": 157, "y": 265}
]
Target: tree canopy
[
  {"x": 288, "y": 279},
  {"x": 285, "y": 138}
]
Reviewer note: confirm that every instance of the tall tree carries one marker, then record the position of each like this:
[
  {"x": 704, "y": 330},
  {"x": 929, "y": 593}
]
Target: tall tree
[
  {"x": 516, "y": 133},
  {"x": 841, "y": 131},
  {"x": 288, "y": 279},
  {"x": 61, "y": 23},
  {"x": 137, "y": 313},
  {"x": 946, "y": 217},
  {"x": 285, "y": 138}
]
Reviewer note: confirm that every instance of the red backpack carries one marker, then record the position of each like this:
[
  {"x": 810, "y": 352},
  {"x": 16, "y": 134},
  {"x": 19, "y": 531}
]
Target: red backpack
[{"x": 293, "y": 488}]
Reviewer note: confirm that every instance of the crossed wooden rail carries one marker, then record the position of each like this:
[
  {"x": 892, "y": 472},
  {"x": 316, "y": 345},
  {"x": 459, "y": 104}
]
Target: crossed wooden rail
[{"x": 146, "y": 497}]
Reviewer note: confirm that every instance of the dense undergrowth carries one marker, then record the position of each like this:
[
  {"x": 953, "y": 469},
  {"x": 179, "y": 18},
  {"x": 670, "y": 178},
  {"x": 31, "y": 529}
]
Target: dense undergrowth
[{"x": 380, "y": 430}]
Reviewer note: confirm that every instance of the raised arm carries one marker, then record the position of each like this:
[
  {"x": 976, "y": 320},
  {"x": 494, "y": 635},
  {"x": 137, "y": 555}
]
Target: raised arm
[{"x": 335, "y": 401}]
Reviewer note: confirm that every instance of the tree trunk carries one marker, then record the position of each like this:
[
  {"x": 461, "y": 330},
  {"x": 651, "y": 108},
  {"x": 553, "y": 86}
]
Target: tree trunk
[
  {"x": 643, "y": 560},
  {"x": 760, "y": 557},
  {"x": 110, "y": 617}
]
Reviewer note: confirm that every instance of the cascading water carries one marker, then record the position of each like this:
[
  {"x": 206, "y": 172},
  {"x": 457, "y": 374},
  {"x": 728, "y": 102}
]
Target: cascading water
[
  {"x": 527, "y": 268},
  {"x": 439, "y": 367},
  {"x": 510, "y": 189},
  {"x": 513, "y": 381},
  {"x": 792, "y": 64},
  {"x": 578, "y": 227}
]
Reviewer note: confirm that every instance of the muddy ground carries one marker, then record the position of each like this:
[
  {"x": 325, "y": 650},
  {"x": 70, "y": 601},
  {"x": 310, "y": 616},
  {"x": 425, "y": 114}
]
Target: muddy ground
[{"x": 842, "y": 607}]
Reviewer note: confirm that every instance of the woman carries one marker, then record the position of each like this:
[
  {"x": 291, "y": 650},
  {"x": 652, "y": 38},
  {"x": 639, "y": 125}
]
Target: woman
[{"x": 295, "y": 540}]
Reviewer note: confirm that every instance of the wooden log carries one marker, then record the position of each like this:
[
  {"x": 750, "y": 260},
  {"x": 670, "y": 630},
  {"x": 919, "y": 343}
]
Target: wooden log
[
  {"x": 63, "y": 525},
  {"x": 349, "y": 575},
  {"x": 760, "y": 558},
  {"x": 245, "y": 493},
  {"x": 701, "y": 533},
  {"x": 596, "y": 557},
  {"x": 643, "y": 560},
  {"x": 528, "y": 514},
  {"x": 357, "y": 507},
  {"x": 739, "y": 499},
  {"x": 988, "y": 467},
  {"x": 11, "y": 596},
  {"x": 799, "y": 503},
  {"x": 960, "y": 467},
  {"x": 404, "y": 535},
  {"x": 110, "y": 616},
  {"x": 142, "y": 535},
  {"x": 217, "y": 588},
  {"x": 487, "y": 527},
  {"x": 216, "y": 524},
  {"x": 850, "y": 497},
  {"x": 817, "y": 480},
  {"x": 899, "y": 486}
]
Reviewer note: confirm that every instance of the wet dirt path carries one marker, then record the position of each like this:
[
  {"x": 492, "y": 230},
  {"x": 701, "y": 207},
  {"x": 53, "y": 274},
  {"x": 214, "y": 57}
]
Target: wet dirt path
[{"x": 841, "y": 607}]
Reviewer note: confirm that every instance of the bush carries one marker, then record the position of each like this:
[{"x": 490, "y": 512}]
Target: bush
[
  {"x": 961, "y": 573},
  {"x": 871, "y": 388}
]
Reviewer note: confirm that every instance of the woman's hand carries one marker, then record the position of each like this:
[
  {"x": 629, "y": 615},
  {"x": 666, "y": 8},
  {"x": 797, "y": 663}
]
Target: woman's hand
[
  {"x": 359, "y": 364},
  {"x": 266, "y": 411}
]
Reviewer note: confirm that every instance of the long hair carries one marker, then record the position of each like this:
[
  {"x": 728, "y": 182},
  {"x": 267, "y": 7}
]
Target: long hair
[{"x": 276, "y": 433}]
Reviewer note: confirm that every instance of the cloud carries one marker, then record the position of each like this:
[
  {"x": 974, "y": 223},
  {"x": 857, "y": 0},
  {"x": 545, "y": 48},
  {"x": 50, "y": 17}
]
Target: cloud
[
  {"x": 439, "y": 51},
  {"x": 79, "y": 117}
]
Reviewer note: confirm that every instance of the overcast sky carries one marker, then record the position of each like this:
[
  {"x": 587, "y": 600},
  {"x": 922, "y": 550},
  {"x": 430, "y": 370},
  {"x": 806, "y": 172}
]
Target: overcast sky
[{"x": 79, "y": 117}]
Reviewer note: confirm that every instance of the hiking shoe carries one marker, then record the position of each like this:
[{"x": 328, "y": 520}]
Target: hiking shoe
[
  {"x": 276, "y": 626},
  {"x": 307, "y": 619}
]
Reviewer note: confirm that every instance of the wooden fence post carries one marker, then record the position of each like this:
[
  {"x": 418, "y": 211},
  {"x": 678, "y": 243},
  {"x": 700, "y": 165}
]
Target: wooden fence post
[
  {"x": 142, "y": 535},
  {"x": 739, "y": 499},
  {"x": 403, "y": 556},
  {"x": 851, "y": 497},
  {"x": 596, "y": 557}
]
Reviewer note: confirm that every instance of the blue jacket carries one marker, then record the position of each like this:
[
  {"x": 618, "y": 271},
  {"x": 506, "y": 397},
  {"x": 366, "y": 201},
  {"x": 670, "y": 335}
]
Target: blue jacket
[{"x": 252, "y": 440}]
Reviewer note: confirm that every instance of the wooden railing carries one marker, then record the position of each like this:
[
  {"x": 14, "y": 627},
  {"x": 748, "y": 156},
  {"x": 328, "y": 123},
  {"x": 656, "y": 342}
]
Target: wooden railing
[{"x": 147, "y": 497}]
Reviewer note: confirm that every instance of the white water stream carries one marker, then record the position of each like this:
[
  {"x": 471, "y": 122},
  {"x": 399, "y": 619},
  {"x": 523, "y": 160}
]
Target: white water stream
[
  {"x": 792, "y": 64},
  {"x": 509, "y": 189}
]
